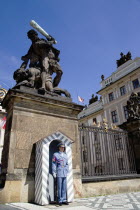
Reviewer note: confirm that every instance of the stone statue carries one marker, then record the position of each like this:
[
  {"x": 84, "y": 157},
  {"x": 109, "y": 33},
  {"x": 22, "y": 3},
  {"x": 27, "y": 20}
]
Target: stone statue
[
  {"x": 133, "y": 106},
  {"x": 128, "y": 56},
  {"x": 93, "y": 99},
  {"x": 102, "y": 77},
  {"x": 123, "y": 59},
  {"x": 42, "y": 54},
  {"x": 43, "y": 61}
]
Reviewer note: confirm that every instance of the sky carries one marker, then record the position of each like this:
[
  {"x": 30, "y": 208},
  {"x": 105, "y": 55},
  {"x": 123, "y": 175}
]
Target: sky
[{"x": 90, "y": 35}]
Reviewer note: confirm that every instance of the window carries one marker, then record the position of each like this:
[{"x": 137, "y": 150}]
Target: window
[
  {"x": 111, "y": 96},
  {"x": 97, "y": 148},
  {"x": 118, "y": 142},
  {"x": 114, "y": 116},
  {"x": 125, "y": 112},
  {"x": 135, "y": 83},
  {"x": 122, "y": 90},
  {"x": 98, "y": 156},
  {"x": 98, "y": 151},
  {"x": 95, "y": 137},
  {"x": 120, "y": 163},
  {"x": 94, "y": 121},
  {"x": 99, "y": 169}
]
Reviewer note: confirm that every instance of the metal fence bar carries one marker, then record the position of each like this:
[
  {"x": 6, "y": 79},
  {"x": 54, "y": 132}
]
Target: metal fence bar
[
  {"x": 81, "y": 143},
  {"x": 105, "y": 152},
  {"x": 88, "y": 153}
]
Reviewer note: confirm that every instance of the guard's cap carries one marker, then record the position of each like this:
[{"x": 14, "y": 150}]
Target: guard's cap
[{"x": 61, "y": 145}]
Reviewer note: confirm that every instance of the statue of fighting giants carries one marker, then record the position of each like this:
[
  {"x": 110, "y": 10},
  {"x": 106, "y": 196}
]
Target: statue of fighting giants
[{"x": 43, "y": 58}]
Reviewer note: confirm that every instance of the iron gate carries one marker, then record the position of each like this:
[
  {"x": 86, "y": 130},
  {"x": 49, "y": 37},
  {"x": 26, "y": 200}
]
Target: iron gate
[{"x": 105, "y": 152}]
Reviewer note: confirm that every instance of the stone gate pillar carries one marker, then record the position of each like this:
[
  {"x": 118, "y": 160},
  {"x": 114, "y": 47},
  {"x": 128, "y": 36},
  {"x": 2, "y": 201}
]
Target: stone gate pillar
[
  {"x": 132, "y": 126},
  {"x": 30, "y": 118},
  {"x": 133, "y": 129}
]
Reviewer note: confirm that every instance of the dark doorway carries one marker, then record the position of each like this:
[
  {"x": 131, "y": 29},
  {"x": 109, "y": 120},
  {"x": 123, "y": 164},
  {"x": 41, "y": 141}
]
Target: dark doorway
[{"x": 52, "y": 182}]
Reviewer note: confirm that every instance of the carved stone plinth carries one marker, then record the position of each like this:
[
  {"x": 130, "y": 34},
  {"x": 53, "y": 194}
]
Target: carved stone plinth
[{"x": 31, "y": 117}]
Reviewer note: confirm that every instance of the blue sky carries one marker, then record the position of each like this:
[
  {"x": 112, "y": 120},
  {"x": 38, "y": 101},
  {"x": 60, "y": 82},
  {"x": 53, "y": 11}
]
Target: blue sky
[{"x": 90, "y": 34}]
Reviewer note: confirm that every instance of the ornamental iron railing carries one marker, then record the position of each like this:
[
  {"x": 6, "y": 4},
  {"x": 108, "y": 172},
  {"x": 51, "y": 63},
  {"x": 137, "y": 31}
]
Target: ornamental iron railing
[{"x": 105, "y": 152}]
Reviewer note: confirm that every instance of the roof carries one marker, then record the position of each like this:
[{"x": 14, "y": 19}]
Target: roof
[{"x": 120, "y": 73}]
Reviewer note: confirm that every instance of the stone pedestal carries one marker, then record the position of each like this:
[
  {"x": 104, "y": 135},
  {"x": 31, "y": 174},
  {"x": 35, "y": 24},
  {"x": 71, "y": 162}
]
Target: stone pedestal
[
  {"x": 32, "y": 117},
  {"x": 133, "y": 129}
]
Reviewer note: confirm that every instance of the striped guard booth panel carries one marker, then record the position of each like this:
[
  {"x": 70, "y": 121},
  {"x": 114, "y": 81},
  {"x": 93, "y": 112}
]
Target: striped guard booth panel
[{"x": 42, "y": 168}]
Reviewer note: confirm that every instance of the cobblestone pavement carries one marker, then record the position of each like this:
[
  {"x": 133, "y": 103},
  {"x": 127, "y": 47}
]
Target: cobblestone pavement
[{"x": 126, "y": 201}]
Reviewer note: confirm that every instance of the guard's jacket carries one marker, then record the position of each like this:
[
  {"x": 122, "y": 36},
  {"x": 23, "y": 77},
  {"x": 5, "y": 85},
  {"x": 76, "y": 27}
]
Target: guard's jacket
[{"x": 60, "y": 164}]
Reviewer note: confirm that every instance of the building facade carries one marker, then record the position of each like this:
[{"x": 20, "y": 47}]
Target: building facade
[
  {"x": 92, "y": 114},
  {"x": 115, "y": 92}
]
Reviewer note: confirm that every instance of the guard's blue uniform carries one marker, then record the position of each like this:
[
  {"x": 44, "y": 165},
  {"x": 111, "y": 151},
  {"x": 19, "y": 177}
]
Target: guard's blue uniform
[{"x": 61, "y": 169}]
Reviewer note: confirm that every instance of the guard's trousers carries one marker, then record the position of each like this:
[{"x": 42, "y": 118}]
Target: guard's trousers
[{"x": 61, "y": 185}]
